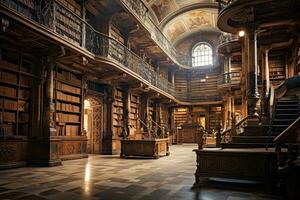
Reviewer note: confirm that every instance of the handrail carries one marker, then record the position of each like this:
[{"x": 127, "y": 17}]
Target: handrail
[
  {"x": 280, "y": 139},
  {"x": 161, "y": 128},
  {"x": 223, "y": 3},
  {"x": 289, "y": 135},
  {"x": 227, "y": 77},
  {"x": 233, "y": 130},
  {"x": 236, "y": 125},
  {"x": 142, "y": 122}
]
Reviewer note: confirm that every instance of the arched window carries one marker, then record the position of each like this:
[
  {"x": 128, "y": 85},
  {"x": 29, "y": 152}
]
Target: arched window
[{"x": 202, "y": 55}]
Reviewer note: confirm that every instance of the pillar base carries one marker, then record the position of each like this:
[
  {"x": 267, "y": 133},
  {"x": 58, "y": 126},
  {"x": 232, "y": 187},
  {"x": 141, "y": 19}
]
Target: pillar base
[{"x": 45, "y": 152}]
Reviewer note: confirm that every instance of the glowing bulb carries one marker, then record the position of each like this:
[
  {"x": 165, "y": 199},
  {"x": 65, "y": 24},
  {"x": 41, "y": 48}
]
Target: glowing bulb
[{"x": 241, "y": 33}]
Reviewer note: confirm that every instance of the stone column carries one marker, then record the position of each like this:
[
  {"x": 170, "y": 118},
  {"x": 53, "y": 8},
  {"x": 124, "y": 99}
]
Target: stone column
[{"x": 252, "y": 93}]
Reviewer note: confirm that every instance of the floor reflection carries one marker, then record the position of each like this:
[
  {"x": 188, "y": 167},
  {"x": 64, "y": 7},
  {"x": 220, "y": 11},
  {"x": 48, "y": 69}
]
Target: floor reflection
[{"x": 112, "y": 178}]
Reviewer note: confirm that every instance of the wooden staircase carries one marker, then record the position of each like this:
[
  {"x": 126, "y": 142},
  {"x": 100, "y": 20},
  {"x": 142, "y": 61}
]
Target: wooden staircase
[
  {"x": 285, "y": 113},
  {"x": 245, "y": 156}
]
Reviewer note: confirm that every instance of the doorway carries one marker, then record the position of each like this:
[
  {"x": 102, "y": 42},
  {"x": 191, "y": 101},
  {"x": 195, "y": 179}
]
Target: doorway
[{"x": 93, "y": 125}]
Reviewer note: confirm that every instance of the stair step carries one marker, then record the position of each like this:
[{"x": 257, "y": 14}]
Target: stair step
[
  {"x": 283, "y": 121},
  {"x": 247, "y": 145},
  {"x": 287, "y": 102},
  {"x": 286, "y": 116},
  {"x": 287, "y": 106},
  {"x": 285, "y": 111},
  {"x": 252, "y": 139}
]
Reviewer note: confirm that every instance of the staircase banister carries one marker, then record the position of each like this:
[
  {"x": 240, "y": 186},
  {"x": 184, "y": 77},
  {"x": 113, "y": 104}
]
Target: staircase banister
[
  {"x": 142, "y": 122},
  {"x": 241, "y": 121},
  {"x": 157, "y": 124},
  {"x": 288, "y": 132},
  {"x": 226, "y": 131}
]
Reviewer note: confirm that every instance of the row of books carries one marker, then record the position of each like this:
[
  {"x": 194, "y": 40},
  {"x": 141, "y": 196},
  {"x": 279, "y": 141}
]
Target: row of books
[
  {"x": 8, "y": 77},
  {"x": 67, "y": 107},
  {"x": 8, "y": 91},
  {"x": 61, "y": 117},
  {"x": 68, "y": 88},
  {"x": 68, "y": 76},
  {"x": 66, "y": 97},
  {"x": 68, "y": 130}
]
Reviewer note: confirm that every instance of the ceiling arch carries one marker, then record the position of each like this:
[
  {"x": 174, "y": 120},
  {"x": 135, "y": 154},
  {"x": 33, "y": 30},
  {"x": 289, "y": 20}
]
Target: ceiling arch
[
  {"x": 164, "y": 8},
  {"x": 180, "y": 18},
  {"x": 202, "y": 19}
]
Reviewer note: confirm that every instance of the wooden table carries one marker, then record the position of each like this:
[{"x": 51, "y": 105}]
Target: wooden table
[{"x": 146, "y": 148}]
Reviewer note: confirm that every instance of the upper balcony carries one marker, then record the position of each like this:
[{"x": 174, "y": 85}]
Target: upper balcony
[
  {"x": 229, "y": 44},
  {"x": 140, "y": 12},
  {"x": 249, "y": 15},
  {"x": 229, "y": 80},
  {"x": 68, "y": 26}
]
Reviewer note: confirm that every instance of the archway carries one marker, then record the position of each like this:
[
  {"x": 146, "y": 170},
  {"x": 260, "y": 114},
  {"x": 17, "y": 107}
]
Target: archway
[{"x": 93, "y": 124}]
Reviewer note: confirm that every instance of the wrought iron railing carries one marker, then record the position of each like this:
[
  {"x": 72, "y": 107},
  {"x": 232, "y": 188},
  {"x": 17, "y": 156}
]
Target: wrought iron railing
[
  {"x": 66, "y": 23},
  {"x": 229, "y": 78},
  {"x": 140, "y": 10},
  {"x": 223, "y": 4},
  {"x": 227, "y": 37}
]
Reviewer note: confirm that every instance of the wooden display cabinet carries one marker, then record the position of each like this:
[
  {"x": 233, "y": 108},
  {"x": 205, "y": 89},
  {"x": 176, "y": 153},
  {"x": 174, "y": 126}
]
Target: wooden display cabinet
[{"x": 145, "y": 148}]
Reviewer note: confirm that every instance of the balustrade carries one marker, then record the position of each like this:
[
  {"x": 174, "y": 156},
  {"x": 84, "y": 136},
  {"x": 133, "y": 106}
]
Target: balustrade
[
  {"x": 68, "y": 24},
  {"x": 140, "y": 10},
  {"x": 223, "y": 4},
  {"x": 229, "y": 78}
]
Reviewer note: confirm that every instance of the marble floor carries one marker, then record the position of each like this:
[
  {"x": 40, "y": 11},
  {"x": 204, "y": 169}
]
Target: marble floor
[{"x": 111, "y": 178}]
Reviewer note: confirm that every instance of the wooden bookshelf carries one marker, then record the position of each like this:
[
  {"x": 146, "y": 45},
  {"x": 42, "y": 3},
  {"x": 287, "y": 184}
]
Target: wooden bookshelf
[
  {"x": 118, "y": 112},
  {"x": 180, "y": 116},
  {"x": 134, "y": 113},
  {"x": 277, "y": 69},
  {"x": 68, "y": 103},
  {"x": 15, "y": 95},
  {"x": 69, "y": 25},
  {"x": 181, "y": 83},
  {"x": 215, "y": 114}
]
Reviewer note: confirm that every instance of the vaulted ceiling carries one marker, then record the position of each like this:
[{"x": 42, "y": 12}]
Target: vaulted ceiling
[{"x": 179, "y": 19}]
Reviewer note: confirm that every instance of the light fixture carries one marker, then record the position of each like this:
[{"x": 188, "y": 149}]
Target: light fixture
[{"x": 241, "y": 33}]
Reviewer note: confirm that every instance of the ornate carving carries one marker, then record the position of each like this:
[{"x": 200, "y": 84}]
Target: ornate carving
[
  {"x": 6, "y": 152},
  {"x": 97, "y": 123}
]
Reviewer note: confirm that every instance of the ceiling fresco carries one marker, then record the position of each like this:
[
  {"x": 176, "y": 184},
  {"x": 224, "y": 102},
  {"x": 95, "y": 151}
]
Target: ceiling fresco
[
  {"x": 163, "y": 8},
  {"x": 203, "y": 19}
]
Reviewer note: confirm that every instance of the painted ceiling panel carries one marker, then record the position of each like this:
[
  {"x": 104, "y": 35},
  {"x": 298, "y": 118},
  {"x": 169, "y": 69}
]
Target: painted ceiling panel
[
  {"x": 163, "y": 8},
  {"x": 191, "y": 21}
]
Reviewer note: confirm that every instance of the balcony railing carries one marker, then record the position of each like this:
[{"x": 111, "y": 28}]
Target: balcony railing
[
  {"x": 229, "y": 78},
  {"x": 223, "y": 4},
  {"x": 140, "y": 10},
  {"x": 227, "y": 37},
  {"x": 66, "y": 23}
]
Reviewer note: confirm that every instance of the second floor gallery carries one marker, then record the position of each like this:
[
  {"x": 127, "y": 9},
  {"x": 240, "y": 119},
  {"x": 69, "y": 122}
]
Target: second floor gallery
[{"x": 87, "y": 83}]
